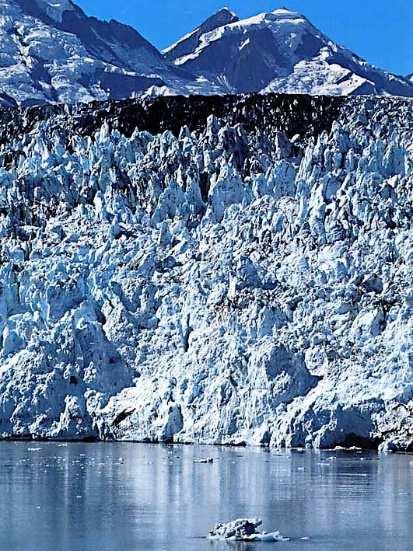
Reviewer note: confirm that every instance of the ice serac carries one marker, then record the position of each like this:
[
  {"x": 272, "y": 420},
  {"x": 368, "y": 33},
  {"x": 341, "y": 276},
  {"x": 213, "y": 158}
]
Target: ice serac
[
  {"x": 241, "y": 278},
  {"x": 281, "y": 51}
]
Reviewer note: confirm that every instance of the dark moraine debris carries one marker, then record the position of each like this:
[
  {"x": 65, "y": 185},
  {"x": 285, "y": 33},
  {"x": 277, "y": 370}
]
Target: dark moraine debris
[{"x": 292, "y": 114}]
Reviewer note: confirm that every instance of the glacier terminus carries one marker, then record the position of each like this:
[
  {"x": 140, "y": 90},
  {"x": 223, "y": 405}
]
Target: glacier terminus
[{"x": 227, "y": 270}]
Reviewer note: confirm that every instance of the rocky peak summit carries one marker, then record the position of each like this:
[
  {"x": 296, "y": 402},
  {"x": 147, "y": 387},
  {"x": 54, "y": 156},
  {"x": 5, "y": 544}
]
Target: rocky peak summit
[
  {"x": 190, "y": 41},
  {"x": 54, "y": 8}
]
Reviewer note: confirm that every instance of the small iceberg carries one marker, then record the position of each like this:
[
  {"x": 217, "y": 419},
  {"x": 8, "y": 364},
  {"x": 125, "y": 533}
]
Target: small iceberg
[
  {"x": 204, "y": 460},
  {"x": 244, "y": 530}
]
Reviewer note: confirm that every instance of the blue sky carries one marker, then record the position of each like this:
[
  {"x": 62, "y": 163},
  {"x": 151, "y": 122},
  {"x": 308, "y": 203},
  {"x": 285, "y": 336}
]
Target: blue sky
[{"x": 379, "y": 30}]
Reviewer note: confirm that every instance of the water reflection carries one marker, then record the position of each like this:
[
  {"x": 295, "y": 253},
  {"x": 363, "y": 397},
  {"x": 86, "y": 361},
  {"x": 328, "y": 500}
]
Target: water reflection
[{"x": 139, "y": 497}]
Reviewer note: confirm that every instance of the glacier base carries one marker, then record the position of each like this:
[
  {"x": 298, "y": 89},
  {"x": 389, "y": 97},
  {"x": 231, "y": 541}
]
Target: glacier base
[{"x": 216, "y": 285}]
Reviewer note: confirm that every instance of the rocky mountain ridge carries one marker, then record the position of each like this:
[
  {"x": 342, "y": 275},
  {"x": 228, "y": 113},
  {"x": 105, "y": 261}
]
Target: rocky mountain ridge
[
  {"x": 54, "y": 52},
  {"x": 51, "y": 51},
  {"x": 279, "y": 51}
]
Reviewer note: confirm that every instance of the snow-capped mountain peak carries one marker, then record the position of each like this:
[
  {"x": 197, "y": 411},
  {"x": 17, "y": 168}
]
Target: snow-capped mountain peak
[
  {"x": 189, "y": 42},
  {"x": 285, "y": 13},
  {"x": 280, "y": 51},
  {"x": 51, "y": 51},
  {"x": 225, "y": 11}
]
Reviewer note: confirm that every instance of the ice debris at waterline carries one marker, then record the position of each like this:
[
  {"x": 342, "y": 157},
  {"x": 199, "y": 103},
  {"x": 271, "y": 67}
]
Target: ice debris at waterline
[
  {"x": 227, "y": 283},
  {"x": 243, "y": 530}
]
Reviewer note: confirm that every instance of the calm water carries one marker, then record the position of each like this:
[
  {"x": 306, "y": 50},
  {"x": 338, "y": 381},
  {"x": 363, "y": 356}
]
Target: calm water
[{"x": 108, "y": 497}]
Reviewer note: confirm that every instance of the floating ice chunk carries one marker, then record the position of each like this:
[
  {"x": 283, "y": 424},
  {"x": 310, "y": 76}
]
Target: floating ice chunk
[{"x": 244, "y": 530}]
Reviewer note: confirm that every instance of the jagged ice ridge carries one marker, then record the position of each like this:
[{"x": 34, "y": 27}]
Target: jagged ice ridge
[{"x": 222, "y": 285}]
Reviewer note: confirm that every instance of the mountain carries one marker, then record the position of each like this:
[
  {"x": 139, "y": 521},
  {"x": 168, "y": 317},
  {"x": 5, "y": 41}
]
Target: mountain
[
  {"x": 244, "y": 278},
  {"x": 279, "y": 51},
  {"x": 191, "y": 41},
  {"x": 51, "y": 51}
]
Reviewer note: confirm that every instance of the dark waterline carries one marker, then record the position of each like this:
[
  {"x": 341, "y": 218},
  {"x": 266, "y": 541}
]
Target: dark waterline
[{"x": 109, "y": 497}]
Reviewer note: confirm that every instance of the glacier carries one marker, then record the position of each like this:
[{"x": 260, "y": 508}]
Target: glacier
[{"x": 227, "y": 270}]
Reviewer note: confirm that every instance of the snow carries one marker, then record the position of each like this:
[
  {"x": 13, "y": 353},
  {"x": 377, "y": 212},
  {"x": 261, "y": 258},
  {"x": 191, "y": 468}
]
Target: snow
[
  {"x": 282, "y": 51},
  {"x": 319, "y": 77},
  {"x": 53, "y": 59},
  {"x": 229, "y": 11},
  {"x": 285, "y": 13},
  {"x": 189, "y": 41},
  {"x": 55, "y": 8},
  {"x": 40, "y": 61},
  {"x": 207, "y": 288}
]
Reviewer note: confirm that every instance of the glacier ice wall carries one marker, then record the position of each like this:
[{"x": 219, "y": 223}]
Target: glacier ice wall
[{"x": 224, "y": 283}]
